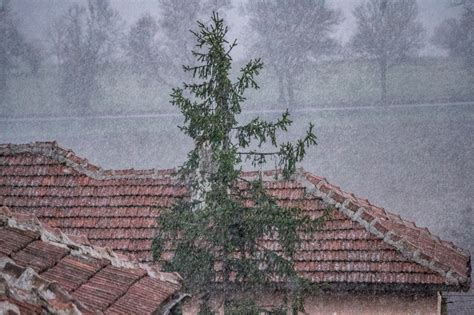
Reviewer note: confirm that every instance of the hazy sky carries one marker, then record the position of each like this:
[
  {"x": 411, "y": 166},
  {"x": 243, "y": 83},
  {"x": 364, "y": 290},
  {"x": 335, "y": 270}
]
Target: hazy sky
[{"x": 35, "y": 15}]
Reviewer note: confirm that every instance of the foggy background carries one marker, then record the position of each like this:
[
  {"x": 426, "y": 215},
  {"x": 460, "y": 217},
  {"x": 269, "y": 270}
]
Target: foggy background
[{"x": 96, "y": 76}]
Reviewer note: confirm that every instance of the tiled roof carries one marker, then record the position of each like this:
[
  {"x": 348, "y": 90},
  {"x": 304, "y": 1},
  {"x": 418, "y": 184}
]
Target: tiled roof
[
  {"x": 43, "y": 269},
  {"x": 359, "y": 243}
]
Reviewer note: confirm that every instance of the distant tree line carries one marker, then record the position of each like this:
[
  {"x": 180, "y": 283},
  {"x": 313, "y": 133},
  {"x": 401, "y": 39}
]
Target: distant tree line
[
  {"x": 292, "y": 34},
  {"x": 292, "y": 37},
  {"x": 91, "y": 37},
  {"x": 160, "y": 59},
  {"x": 457, "y": 35},
  {"x": 87, "y": 39},
  {"x": 15, "y": 51},
  {"x": 389, "y": 33}
]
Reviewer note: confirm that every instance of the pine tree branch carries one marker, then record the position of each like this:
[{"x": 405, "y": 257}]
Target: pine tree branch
[{"x": 260, "y": 153}]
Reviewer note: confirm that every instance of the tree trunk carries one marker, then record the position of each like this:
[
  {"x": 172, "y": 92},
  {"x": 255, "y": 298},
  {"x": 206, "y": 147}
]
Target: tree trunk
[
  {"x": 290, "y": 88},
  {"x": 88, "y": 87},
  {"x": 3, "y": 84},
  {"x": 281, "y": 86},
  {"x": 383, "y": 82}
]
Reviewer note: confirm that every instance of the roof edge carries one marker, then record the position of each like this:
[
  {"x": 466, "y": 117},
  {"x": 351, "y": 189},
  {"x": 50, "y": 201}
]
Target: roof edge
[
  {"x": 81, "y": 165},
  {"x": 371, "y": 218},
  {"x": 26, "y": 285},
  {"x": 80, "y": 245}
]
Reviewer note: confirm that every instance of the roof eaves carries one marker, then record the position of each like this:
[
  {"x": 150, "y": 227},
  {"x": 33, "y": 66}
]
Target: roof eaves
[
  {"x": 25, "y": 285},
  {"x": 372, "y": 219},
  {"x": 80, "y": 245}
]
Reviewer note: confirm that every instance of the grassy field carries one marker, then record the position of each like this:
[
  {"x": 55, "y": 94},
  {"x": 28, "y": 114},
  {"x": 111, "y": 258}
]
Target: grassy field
[
  {"x": 335, "y": 83},
  {"x": 352, "y": 83}
]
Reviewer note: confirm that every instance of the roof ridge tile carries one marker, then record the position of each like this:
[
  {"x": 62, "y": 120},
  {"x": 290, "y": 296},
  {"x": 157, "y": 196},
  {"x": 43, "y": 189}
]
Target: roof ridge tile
[
  {"x": 25, "y": 284},
  {"x": 82, "y": 165}
]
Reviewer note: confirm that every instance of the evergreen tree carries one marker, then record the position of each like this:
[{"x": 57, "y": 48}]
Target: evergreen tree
[{"x": 214, "y": 236}]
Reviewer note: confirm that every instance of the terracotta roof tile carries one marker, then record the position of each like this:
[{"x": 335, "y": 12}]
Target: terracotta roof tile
[
  {"x": 61, "y": 275},
  {"x": 106, "y": 286},
  {"x": 72, "y": 271},
  {"x": 39, "y": 255},
  {"x": 415, "y": 243},
  {"x": 15, "y": 305},
  {"x": 359, "y": 243},
  {"x": 145, "y": 292},
  {"x": 12, "y": 240}
]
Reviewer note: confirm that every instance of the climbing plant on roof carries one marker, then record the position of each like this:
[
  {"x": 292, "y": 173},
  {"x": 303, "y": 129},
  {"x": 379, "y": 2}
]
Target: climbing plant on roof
[{"x": 215, "y": 237}]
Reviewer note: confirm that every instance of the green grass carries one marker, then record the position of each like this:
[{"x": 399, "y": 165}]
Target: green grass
[
  {"x": 352, "y": 83},
  {"x": 331, "y": 83},
  {"x": 91, "y": 127}
]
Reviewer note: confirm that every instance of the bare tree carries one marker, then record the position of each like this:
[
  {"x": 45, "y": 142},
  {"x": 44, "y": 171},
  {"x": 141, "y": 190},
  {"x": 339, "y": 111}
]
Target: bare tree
[
  {"x": 14, "y": 49},
  {"x": 10, "y": 42},
  {"x": 457, "y": 35},
  {"x": 178, "y": 17},
  {"x": 466, "y": 3},
  {"x": 388, "y": 32},
  {"x": 292, "y": 34},
  {"x": 56, "y": 37},
  {"x": 91, "y": 38},
  {"x": 144, "y": 51}
]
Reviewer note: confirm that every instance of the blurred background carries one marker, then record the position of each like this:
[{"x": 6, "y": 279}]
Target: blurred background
[{"x": 389, "y": 85}]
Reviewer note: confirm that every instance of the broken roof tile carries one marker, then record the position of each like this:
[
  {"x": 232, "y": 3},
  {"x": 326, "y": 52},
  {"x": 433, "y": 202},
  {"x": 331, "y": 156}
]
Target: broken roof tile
[{"x": 61, "y": 275}]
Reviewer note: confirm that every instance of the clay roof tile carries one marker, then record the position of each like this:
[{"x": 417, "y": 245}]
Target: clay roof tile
[
  {"x": 68, "y": 275},
  {"x": 118, "y": 209}
]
